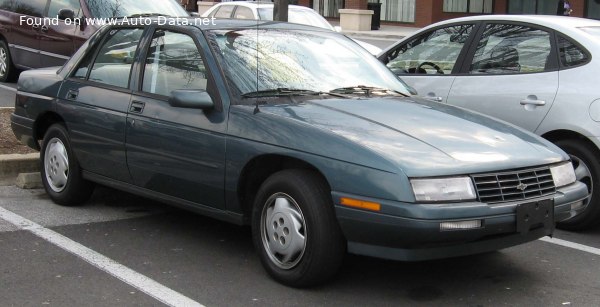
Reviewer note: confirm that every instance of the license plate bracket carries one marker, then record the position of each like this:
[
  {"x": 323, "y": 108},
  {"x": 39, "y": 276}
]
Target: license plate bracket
[{"x": 535, "y": 215}]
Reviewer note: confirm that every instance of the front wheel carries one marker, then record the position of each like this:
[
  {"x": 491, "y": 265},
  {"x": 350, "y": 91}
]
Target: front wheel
[
  {"x": 295, "y": 230},
  {"x": 7, "y": 69},
  {"x": 60, "y": 170},
  {"x": 587, "y": 170}
]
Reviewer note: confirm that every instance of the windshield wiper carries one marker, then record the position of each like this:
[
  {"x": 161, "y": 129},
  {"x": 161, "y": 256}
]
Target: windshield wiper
[
  {"x": 366, "y": 90},
  {"x": 282, "y": 91}
]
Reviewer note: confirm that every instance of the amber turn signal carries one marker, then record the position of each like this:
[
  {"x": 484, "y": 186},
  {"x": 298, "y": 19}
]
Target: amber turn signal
[{"x": 360, "y": 204}]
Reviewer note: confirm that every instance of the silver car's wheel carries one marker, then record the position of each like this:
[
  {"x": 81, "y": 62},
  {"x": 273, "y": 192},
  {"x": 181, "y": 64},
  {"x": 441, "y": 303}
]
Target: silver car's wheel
[
  {"x": 283, "y": 231},
  {"x": 56, "y": 164}
]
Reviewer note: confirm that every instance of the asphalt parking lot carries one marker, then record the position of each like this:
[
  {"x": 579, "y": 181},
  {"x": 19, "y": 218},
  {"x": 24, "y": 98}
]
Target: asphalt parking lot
[{"x": 124, "y": 250}]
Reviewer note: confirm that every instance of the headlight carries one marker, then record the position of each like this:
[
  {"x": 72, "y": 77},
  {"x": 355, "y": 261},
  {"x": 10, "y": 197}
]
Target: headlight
[
  {"x": 441, "y": 189},
  {"x": 563, "y": 174}
]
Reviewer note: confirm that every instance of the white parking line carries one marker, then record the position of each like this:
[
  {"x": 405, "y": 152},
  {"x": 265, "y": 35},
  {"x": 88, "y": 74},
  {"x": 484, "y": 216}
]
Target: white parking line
[
  {"x": 8, "y": 88},
  {"x": 577, "y": 246},
  {"x": 127, "y": 275}
]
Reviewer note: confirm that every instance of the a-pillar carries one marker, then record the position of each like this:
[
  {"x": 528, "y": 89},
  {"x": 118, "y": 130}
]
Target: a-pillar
[{"x": 355, "y": 16}]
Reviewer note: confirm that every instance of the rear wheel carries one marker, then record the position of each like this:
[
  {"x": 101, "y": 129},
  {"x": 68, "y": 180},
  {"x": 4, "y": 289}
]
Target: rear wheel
[
  {"x": 587, "y": 170},
  {"x": 295, "y": 230},
  {"x": 7, "y": 70},
  {"x": 60, "y": 170}
]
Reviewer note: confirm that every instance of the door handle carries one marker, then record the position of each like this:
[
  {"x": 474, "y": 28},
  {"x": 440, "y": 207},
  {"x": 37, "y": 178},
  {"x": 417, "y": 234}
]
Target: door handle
[
  {"x": 435, "y": 99},
  {"x": 35, "y": 26},
  {"x": 533, "y": 102},
  {"x": 137, "y": 107},
  {"x": 72, "y": 94},
  {"x": 44, "y": 29}
]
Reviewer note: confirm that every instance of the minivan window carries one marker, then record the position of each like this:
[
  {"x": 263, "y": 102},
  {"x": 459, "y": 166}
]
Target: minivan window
[
  {"x": 123, "y": 8},
  {"x": 34, "y": 8},
  {"x": 7, "y": 5},
  {"x": 57, "y": 5}
]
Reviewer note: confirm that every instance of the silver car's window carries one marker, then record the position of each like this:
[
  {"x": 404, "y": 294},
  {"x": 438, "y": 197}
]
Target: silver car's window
[
  {"x": 570, "y": 54},
  {"x": 243, "y": 12},
  {"x": 122, "y": 8},
  {"x": 434, "y": 52},
  {"x": 224, "y": 11},
  {"x": 299, "y": 16},
  {"x": 173, "y": 63},
  {"x": 294, "y": 59},
  {"x": 509, "y": 49},
  {"x": 112, "y": 65}
]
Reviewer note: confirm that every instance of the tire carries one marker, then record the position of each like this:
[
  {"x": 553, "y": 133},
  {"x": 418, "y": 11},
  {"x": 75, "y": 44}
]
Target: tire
[
  {"x": 295, "y": 207},
  {"x": 60, "y": 170},
  {"x": 587, "y": 170},
  {"x": 7, "y": 69}
]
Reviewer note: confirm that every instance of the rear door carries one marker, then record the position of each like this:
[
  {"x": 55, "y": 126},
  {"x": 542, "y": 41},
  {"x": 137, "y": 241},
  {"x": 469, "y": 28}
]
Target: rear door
[
  {"x": 511, "y": 74},
  {"x": 25, "y": 43},
  {"x": 177, "y": 151},
  {"x": 94, "y": 101},
  {"x": 429, "y": 62},
  {"x": 58, "y": 38}
]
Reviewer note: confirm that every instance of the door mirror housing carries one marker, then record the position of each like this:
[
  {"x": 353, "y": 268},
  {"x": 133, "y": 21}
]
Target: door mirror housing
[
  {"x": 64, "y": 14},
  {"x": 193, "y": 99}
]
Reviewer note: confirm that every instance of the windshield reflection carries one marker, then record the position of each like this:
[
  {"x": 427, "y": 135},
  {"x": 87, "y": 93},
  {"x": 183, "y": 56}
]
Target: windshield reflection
[{"x": 298, "y": 59}]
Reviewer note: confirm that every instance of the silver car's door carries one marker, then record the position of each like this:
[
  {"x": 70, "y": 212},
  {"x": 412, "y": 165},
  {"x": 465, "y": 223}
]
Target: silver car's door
[
  {"x": 429, "y": 61},
  {"x": 513, "y": 75}
]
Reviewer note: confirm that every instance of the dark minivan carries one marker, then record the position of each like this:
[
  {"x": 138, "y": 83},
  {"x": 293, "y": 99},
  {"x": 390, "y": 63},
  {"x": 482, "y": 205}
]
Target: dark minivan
[{"x": 43, "y": 33}]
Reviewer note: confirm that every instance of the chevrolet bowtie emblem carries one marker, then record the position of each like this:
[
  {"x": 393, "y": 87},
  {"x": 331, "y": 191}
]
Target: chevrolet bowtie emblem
[{"x": 522, "y": 186}]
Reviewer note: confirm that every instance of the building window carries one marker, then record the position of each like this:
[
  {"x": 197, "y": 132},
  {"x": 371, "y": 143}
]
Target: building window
[
  {"x": 540, "y": 7},
  {"x": 592, "y": 9},
  {"x": 469, "y": 6},
  {"x": 397, "y": 10},
  {"x": 328, "y": 8}
]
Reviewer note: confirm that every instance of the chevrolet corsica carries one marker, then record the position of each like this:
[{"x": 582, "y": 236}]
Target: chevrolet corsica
[{"x": 296, "y": 131}]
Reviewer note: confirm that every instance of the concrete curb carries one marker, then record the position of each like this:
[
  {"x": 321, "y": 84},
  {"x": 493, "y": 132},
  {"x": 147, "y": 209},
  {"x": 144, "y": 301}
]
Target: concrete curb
[{"x": 14, "y": 164}]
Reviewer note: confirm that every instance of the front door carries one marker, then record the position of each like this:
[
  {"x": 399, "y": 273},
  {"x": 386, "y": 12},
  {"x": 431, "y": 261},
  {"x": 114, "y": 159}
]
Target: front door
[
  {"x": 179, "y": 152},
  {"x": 58, "y": 38}
]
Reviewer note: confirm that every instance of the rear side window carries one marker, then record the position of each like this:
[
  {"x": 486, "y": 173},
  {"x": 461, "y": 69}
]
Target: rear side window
[
  {"x": 243, "y": 12},
  {"x": 173, "y": 63},
  {"x": 34, "y": 8},
  {"x": 570, "y": 54},
  {"x": 112, "y": 65},
  {"x": 57, "y": 5}
]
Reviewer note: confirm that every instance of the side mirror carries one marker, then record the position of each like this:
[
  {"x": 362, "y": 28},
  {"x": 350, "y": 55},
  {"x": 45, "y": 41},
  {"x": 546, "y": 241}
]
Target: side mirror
[
  {"x": 195, "y": 14},
  {"x": 193, "y": 99},
  {"x": 64, "y": 14}
]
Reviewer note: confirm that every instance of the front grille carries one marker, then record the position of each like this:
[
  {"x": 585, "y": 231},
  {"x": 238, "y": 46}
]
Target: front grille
[{"x": 511, "y": 186}]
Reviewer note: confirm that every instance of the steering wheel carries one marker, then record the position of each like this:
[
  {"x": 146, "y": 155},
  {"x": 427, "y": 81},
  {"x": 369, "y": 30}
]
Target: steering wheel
[{"x": 433, "y": 65}]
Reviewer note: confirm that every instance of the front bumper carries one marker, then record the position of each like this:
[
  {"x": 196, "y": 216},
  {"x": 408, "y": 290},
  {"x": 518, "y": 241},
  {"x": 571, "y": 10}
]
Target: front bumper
[{"x": 412, "y": 232}]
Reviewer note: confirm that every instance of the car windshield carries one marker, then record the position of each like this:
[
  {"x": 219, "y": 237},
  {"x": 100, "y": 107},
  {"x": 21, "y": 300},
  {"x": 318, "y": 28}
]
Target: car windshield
[
  {"x": 122, "y": 8},
  {"x": 299, "y": 16},
  {"x": 595, "y": 31},
  {"x": 299, "y": 59}
]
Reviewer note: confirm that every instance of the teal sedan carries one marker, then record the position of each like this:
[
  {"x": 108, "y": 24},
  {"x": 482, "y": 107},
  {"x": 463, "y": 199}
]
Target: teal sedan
[{"x": 299, "y": 133}]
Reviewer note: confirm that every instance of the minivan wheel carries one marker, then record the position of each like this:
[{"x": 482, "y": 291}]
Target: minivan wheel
[
  {"x": 7, "y": 70},
  {"x": 60, "y": 170},
  {"x": 294, "y": 229},
  {"x": 587, "y": 170}
]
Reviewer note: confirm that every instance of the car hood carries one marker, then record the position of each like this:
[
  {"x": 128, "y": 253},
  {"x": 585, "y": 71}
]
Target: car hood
[{"x": 424, "y": 138}]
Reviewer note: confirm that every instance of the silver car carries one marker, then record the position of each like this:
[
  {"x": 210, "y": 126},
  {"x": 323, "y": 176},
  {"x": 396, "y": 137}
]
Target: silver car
[{"x": 537, "y": 72}]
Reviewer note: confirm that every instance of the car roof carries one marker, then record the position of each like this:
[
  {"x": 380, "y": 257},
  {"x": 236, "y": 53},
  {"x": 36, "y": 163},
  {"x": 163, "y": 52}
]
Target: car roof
[{"x": 549, "y": 21}]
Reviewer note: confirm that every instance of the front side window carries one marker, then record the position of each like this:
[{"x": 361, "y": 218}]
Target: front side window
[
  {"x": 224, "y": 11},
  {"x": 435, "y": 52},
  {"x": 34, "y": 8},
  {"x": 173, "y": 63},
  {"x": 243, "y": 12},
  {"x": 112, "y": 65},
  {"x": 270, "y": 59},
  {"x": 509, "y": 49}
]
